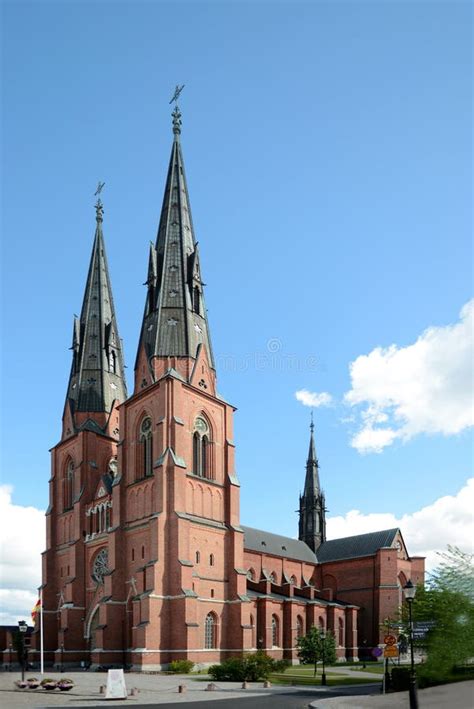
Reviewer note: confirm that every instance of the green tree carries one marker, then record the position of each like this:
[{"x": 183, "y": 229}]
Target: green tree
[
  {"x": 316, "y": 645},
  {"x": 448, "y": 602}
]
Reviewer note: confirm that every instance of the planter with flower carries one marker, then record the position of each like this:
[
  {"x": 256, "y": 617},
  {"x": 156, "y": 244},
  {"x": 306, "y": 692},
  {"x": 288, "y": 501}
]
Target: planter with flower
[
  {"x": 48, "y": 683},
  {"x": 21, "y": 684},
  {"x": 33, "y": 683},
  {"x": 65, "y": 684}
]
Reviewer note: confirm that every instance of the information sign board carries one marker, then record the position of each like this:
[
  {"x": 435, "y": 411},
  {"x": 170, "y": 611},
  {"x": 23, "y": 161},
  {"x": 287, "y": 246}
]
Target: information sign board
[{"x": 116, "y": 688}]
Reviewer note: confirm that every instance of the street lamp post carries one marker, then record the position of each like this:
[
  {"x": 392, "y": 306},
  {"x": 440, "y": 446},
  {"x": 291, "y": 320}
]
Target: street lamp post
[
  {"x": 10, "y": 649},
  {"x": 22, "y": 627},
  {"x": 323, "y": 676},
  {"x": 62, "y": 657},
  {"x": 410, "y": 591}
]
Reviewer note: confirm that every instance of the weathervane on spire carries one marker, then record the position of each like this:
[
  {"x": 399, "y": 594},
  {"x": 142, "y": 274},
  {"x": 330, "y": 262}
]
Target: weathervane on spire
[
  {"x": 176, "y": 113},
  {"x": 99, "y": 207}
]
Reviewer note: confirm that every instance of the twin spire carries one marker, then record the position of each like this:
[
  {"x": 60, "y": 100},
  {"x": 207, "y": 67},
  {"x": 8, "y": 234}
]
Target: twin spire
[
  {"x": 97, "y": 374},
  {"x": 175, "y": 319}
]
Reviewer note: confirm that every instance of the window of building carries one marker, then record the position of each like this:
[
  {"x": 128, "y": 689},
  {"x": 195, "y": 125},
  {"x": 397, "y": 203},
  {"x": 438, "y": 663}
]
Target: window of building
[
  {"x": 210, "y": 627},
  {"x": 211, "y": 560},
  {"x": 69, "y": 485},
  {"x": 293, "y": 581},
  {"x": 212, "y": 593},
  {"x": 133, "y": 554},
  {"x": 112, "y": 362},
  {"x": 299, "y": 626},
  {"x": 273, "y": 577},
  {"x": 201, "y": 449},
  {"x": 341, "y": 632},
  {"x": 196, "y": 300},
  {"x": 145, "y": 461},
  {"x": 143, "y": 552},
  {"x": 198, "y": 557},
  {"x": 251, "y": 575},
  {"x": 275, "y": 631}
]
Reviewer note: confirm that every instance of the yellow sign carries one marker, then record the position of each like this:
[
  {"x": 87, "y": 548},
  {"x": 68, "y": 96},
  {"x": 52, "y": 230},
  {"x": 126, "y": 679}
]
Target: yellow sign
[{"x": 390, "y": 651}]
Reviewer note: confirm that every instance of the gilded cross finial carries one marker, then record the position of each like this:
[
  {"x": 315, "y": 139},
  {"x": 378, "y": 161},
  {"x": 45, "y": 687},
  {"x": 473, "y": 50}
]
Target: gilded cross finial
[
  {"x": 311, "y": 425},
  {"x": 99, "y": 207}
]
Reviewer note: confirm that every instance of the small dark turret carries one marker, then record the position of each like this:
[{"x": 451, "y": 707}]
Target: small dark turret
[{"x": 312, "y": 523}]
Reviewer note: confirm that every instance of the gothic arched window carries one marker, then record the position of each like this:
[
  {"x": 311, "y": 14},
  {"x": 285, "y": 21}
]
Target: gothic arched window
[
  {"x": 275, "y": 631},
  {"x": 145, "y": 453},
  {"x": 341, "y": 632},
  {"x": 299, "y": 626},
  {"x": 201, "y": 449},
  {"x": 68, "y": 485},
  {"x": 210, "y": 628},
  {"x": 112, "y": 362}
]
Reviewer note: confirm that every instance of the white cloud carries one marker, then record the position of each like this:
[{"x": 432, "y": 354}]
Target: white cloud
[
  {"x": 448, "y": 520},
  {"x": 23, "y": 532},
  {"x": 313, "y": 398},
  {"x": 425, "y": 387}
]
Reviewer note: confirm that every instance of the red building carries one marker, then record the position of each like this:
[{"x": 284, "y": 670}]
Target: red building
[{"x": 146, "y": 559}]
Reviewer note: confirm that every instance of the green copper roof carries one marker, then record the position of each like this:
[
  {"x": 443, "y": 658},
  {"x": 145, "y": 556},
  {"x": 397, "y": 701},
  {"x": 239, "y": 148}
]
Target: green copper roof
[{"x": 97, "y": 372}]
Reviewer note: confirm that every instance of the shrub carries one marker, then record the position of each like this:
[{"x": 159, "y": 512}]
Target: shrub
[
  {"x": 47, "y": 680},
  {"x": 182, "y": 667},
  {"x": 249, "y": 668}
]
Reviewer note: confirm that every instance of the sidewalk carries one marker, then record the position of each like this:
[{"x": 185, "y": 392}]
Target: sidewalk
[{"x": 459, "y": 695}]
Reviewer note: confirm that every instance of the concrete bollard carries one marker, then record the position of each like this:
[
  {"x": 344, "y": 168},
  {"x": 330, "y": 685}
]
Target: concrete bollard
[
  {"x": 245, "y": 685},
  {"x": 182, "y": 689},
  {"x": 102, "y": 689},
  {"x": 267, "y": 684},
  {"x": 134, "y": 691},
  {"x": 211, "y": 687}
]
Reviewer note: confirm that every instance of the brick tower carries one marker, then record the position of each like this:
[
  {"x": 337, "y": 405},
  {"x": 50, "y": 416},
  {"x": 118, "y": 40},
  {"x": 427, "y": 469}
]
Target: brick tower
[
  {"x": 182, "y": 547},
  {"x": 83, "y": 464}
]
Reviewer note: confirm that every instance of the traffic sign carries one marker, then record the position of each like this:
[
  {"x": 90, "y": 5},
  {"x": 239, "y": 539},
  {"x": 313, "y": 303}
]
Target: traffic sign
[
  {"x": 390, "y": 640},
  {"x": 390, "y": 651},
  {"x": 377, "y": 651}
]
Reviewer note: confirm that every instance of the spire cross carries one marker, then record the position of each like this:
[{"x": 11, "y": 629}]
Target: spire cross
[
  {"x": 176, "y": 113},
  {"x": 176, "y": 94},
  {"x": 99, "y": 207},
  {"x": 311, "y": 425}
]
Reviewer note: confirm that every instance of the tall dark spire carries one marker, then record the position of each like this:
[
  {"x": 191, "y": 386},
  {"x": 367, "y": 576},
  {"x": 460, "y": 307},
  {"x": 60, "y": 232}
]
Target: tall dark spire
[
  {"x": 175, "y": 317},
  {"x": 312, "y": 522},
  {"x": 97, "y": 374}
]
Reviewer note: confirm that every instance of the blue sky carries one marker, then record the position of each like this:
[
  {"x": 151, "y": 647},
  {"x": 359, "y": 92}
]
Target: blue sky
[{"x": 328, "y": 154}]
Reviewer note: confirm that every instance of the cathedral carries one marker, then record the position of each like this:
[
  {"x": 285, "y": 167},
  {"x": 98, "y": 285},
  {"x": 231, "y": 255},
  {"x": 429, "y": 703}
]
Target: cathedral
[{"x": 146, "y": 560}]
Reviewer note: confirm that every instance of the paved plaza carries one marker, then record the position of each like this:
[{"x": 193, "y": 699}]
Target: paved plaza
[{"x": 162, "y": 690}]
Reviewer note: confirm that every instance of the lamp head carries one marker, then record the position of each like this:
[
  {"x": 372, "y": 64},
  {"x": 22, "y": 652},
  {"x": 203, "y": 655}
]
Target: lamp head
[
  {"x": 22, "y": 626},
  {"x": 410, "y": 591}
]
